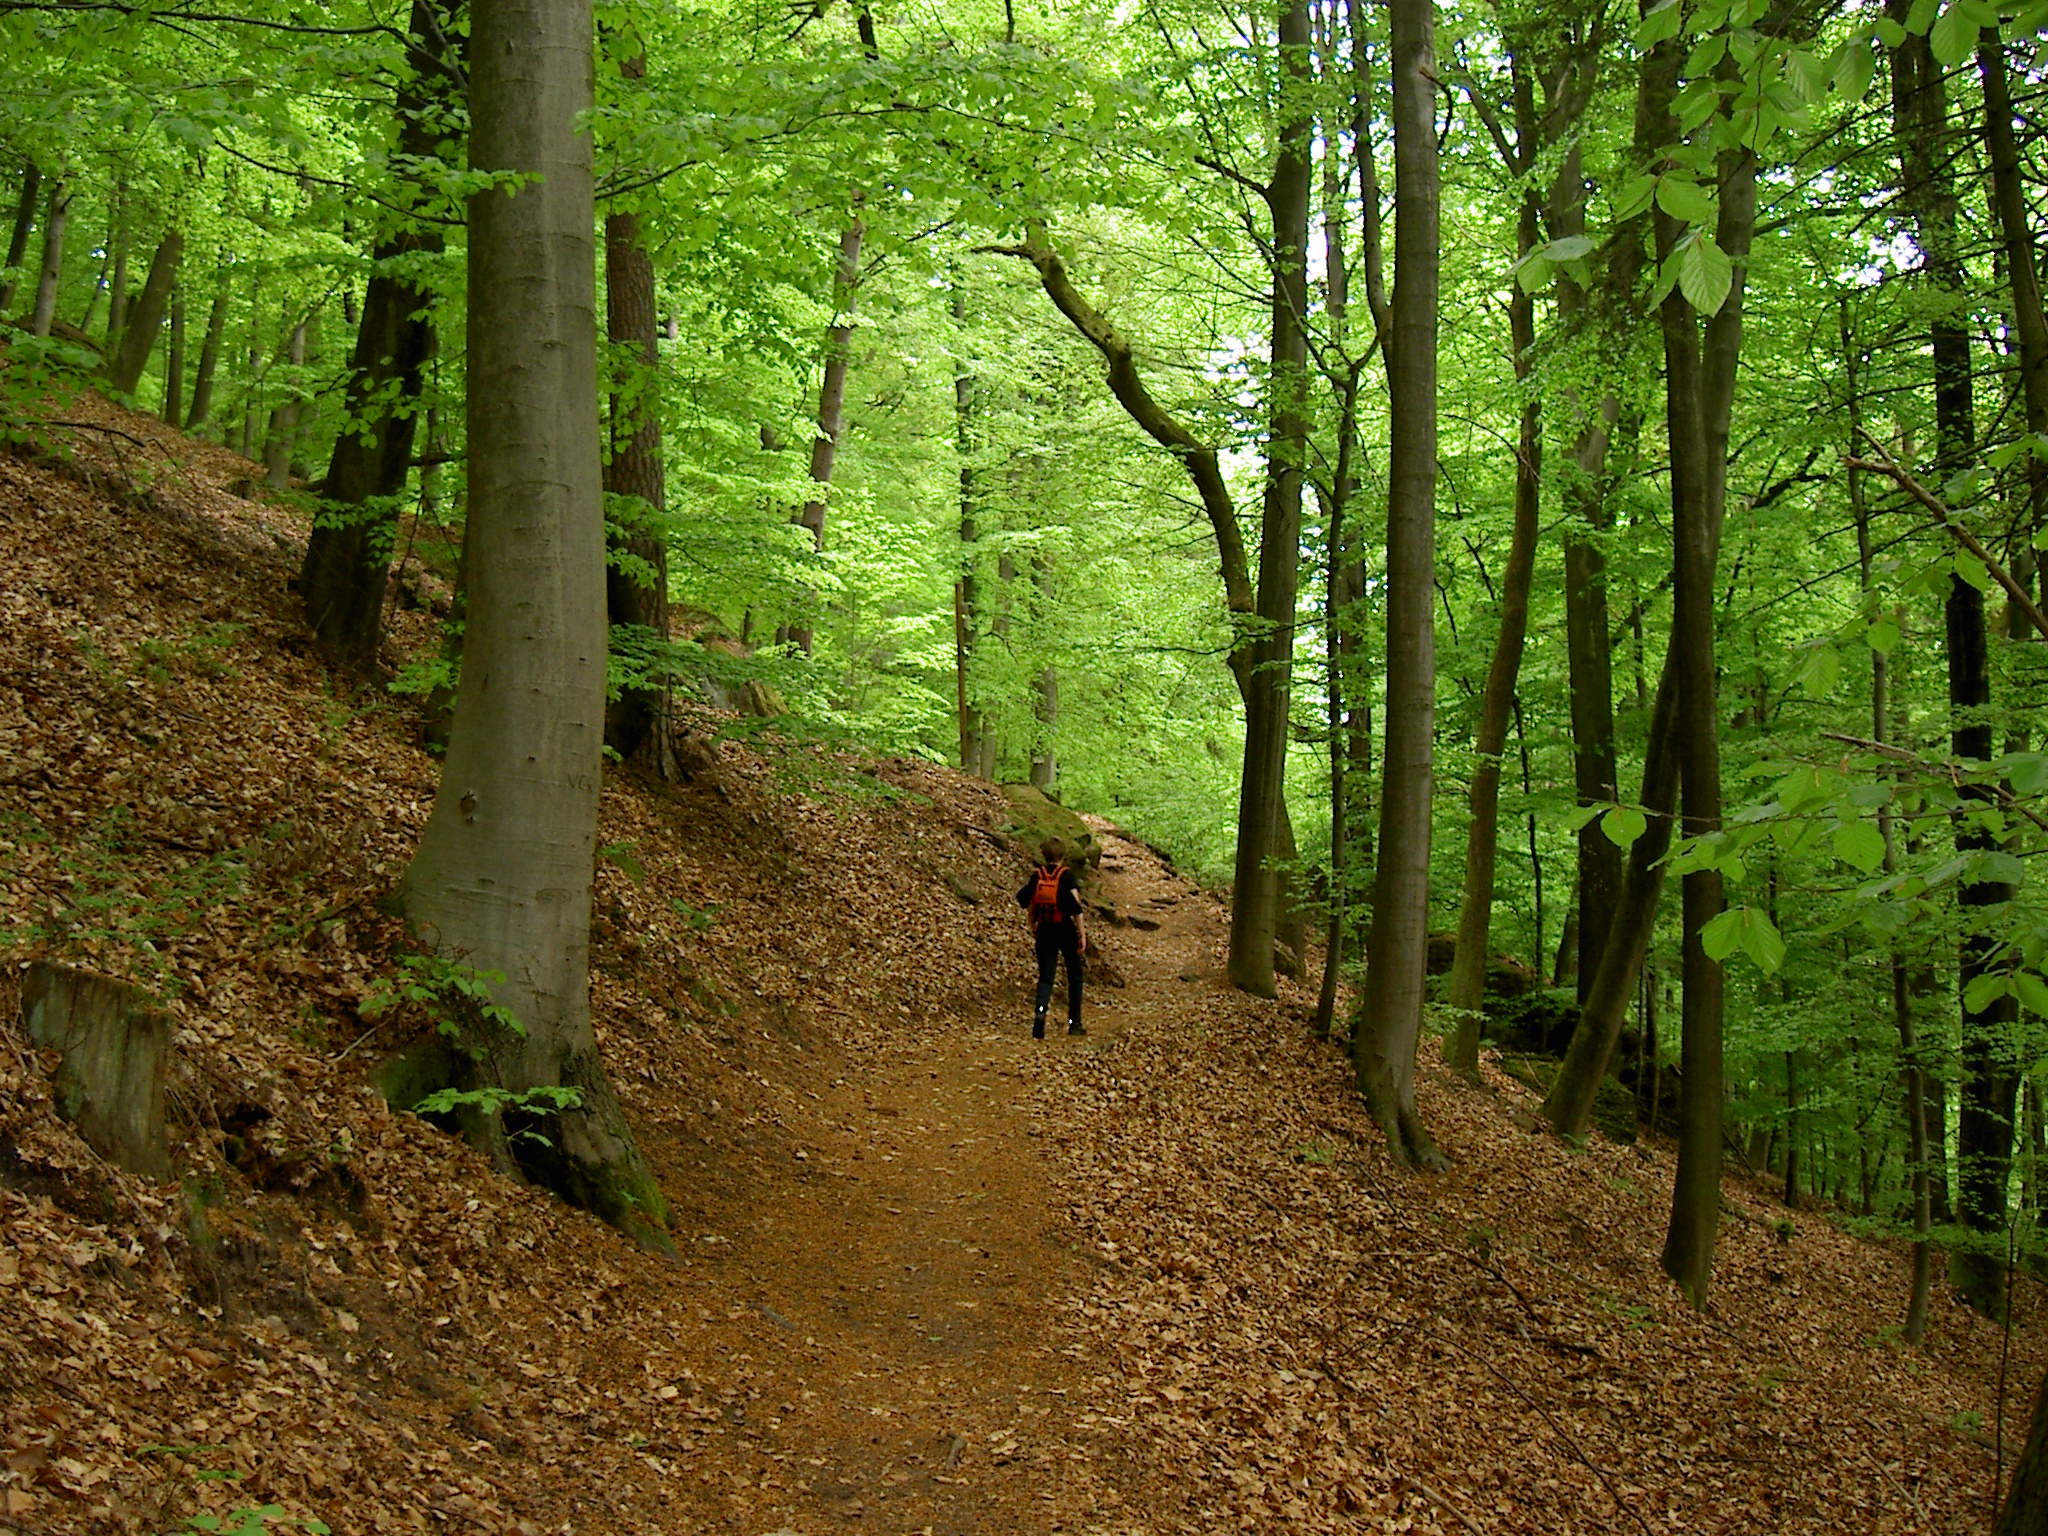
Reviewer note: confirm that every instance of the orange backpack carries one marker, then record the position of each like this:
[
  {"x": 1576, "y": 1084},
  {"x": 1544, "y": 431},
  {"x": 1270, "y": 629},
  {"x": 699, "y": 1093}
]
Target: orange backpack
[{"x": 1045, "y": 896}]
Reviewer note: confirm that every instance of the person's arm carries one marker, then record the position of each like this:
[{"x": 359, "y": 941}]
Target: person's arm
[{"x": 1071, "y": 891}]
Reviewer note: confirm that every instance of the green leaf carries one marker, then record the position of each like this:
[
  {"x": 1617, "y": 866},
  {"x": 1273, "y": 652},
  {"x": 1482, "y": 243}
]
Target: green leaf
[
  {"x": 1748, "y": 930},
  {"x": 1567, "y": 248},
  {"x": 1706, "y": 53},
  {"x": 1803, "y": 788},
  {"x": 1852, "y": 69},
  {"x": 1921, "y": 16},
  {"x": 1762, "y": 942},
  {"x": 1985, "y": 990},
  {"x": 1533, "y": 272},
  {"x": 1882, "y": 636},
  {"x": 2026, "y": 772},
  {"x": 1954, "y": 37},
  {"x": 1634, "y": 197},
  {"x": 1686, "y": 201},
  {"x": 2032, "y": 991},
  {"x": 1859, "y": 843},
  {"x": 1823, "y": 670},
  {"x": 1722, "y": 934},
  {"x": 1997, "y": 867},
  {"x": 1660, "y": 24},
  {"x": 1623, "y": 825},
  {"x": 1705, "y": 275},
  {"x": 1973, "y": 570},
  {"x": 1888, "y": 32}
]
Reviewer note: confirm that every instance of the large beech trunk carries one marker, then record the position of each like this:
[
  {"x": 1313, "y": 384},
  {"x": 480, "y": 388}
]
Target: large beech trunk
[
  {"x": 502, "y": 878},
  {"x": 1384, "y": 1039}
]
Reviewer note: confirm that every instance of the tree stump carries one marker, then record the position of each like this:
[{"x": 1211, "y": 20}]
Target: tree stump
[{"x": 110, "y": 1083}]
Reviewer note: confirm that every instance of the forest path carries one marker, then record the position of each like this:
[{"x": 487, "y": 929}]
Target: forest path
[{"x": 925, "y": 1379}]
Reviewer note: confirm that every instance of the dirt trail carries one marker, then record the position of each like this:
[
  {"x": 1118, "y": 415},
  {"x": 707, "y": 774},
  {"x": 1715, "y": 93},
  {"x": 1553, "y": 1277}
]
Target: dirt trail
[{"x": 917, "y": 1267}]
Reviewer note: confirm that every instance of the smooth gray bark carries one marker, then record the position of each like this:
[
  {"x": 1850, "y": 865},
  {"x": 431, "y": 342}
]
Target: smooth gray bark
[{"x": 501, "y": 881}]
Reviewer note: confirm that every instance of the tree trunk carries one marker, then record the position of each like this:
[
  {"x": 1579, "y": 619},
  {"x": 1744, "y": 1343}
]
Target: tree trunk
[
  {"x": 1913, "y": 1081},
  {"x": 1389, "y": 1026},
  {"x": 209, "y": 360},
  {"x": 1482, "y": 831},
  {"x": 502, "y": 878},
  {"x": 56, "y": 213},
  {"x": 174, "y": 363},
  {"x": 2022, "y": 261},
  {"x": 117, "y": 285},
  {"x": 348, "y": 557},
  {"x": 17, "y": 238},
  {"x": 1046, "y": 711},
  {"x": 1987, "y": 1085},
  {"x": 1255, "y": 908},
  {"x": 283, "y": 432},
  {"x": 1688, "y": 1255},
  {"x": 972, "y": 718},
  {"x": 637, "y": 596},
  {"x": 2025, "y": 1512},
  {"x": 138, "y": 339},
  {"x": 831, "y": 409}
]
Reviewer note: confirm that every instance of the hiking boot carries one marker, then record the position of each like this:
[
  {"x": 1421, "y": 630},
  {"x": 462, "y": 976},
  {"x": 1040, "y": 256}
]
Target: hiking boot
[{"x": 1075, "y": 1028}]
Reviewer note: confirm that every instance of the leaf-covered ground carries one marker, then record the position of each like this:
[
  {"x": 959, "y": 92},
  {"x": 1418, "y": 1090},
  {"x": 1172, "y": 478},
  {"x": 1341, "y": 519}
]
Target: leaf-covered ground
[{"x": 935, "y": 1276}]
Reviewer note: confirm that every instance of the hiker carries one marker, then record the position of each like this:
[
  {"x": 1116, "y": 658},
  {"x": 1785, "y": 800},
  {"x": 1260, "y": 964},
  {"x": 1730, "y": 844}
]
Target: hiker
[{"x": 1051, "y": 899}]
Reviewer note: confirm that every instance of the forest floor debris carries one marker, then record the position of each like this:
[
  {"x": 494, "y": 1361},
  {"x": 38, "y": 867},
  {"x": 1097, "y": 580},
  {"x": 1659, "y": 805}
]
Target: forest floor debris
[{"x": 935, "y": 1277}]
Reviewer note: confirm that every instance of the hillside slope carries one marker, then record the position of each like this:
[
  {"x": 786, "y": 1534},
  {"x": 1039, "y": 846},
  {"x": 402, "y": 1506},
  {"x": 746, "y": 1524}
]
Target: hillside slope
[{"x": 935, "y": 1276}]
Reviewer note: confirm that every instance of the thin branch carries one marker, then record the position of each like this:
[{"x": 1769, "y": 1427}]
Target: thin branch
[
  {"x": 1883, "y": 465},
  {"x": 210, "y": 16}
]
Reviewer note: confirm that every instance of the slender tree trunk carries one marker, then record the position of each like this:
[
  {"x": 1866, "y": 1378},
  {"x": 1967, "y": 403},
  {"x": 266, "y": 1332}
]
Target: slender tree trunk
[
  {"x": 119, "y": 237},
  {"x": 974, "y": 724},
  {"x": 637, "y": 597},
  {"x": 2025, "y": 1512},
  {"x": 344, "y": 575},
  {"x": 1390, "y": 1017},
  {"x": 23, "y": 226},
  {"x": 209, "y": 360},
  {"x": 56, "y": 213},
  {"x": 1482, "y": 831},
  {"x": 1046, "y": 711},
  {"x": 501, "y": 881},
  {"x": 831, "y": 407},
  {"x": 174, "y": 363},
  {"x": 2022, "y": 260},
  {"x": 283, "y": 432},
  {"x": 1984, "y": 1127},
  {"x": 1255, "y": 908},
  {"x": 1918, "y": 1172},
  {"x": 1696, "y": 1200},
  {"x": 138, "y": 339}
]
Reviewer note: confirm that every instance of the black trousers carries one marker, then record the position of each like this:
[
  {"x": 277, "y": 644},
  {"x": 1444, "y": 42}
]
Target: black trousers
[{"x": 1052, "y": 940}]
